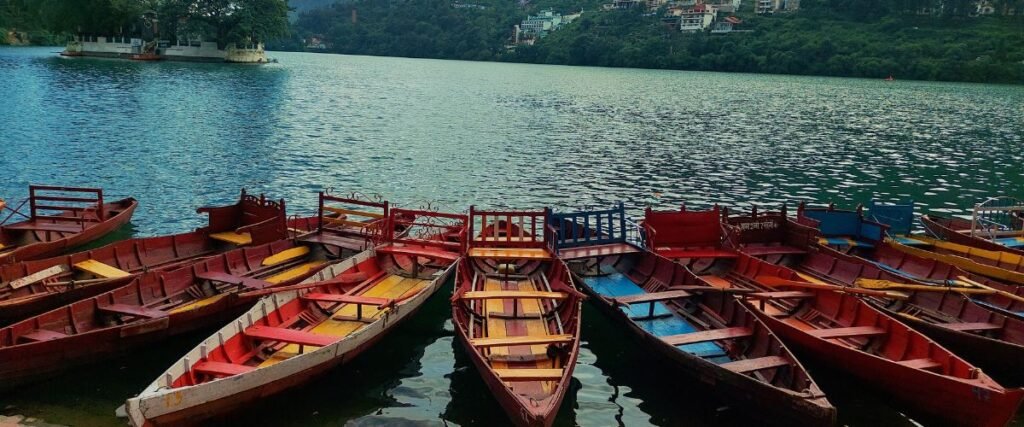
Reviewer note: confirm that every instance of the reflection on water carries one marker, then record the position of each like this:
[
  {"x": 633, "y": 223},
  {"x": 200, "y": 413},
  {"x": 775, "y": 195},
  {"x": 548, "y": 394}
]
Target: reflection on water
[{"x": 179, "y": 136}]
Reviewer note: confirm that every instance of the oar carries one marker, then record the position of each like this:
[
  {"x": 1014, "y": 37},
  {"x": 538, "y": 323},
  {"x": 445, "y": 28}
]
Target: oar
[
  {"x": 341, "y": 279},
  {"x": 1009, "y": 295},
  {"x": 886, "y": 284},
  {"x": 778, "y": 281}
]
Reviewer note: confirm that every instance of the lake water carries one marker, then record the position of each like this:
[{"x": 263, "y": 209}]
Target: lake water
[{"x": 178, "y": 136}]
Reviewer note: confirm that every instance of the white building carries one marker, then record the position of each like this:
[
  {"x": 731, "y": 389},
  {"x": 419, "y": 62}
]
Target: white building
[{"x": 698, "y": 18}]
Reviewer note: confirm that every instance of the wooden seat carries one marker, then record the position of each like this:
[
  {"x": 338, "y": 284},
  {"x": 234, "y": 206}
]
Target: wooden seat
[
  {"x": 756, "y": 364},
  {"x": 291, "y": 336},
  {"x": 60, "y": 227},
  {"x": 851, "y": 332},
  {"x": 694, "y": 253},
  {"x": 758, "y": 250},
  {"x": 248, "y": 282},
  {"x": 132, "y": 310},
  {"x": 652, "y": 297},
  {"x": 968, "y": 326},
  {"x": 434, "y": 253},
  {"x": 529, "y": 374},
  {"x": 285, "y": 256},
  {"x": 780, "y": 295},
  {"x": 240, "y": 239},
  {"x": 923, "y": 363},
  {"x": 514, "y": 295},
  {"x": 521, "y": 340},
  {"x": 596, "y": 251},
  {"x": 221, "y": 369},
  {"x": 42, "y": 335},
  {"x": 709, "y": 335},
  {"x": 38, "y": 276},
  {"x": 100, "y": 269},
  {"x": 359, "y": 300},
  {"x": 510, "y": 253}
]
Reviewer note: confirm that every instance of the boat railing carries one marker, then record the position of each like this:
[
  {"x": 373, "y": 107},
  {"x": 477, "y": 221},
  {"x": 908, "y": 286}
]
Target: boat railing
[
  {"x": 682, "y": 228},
  {"x": 898, "y": 216},
  {"x": 426, "y": 228},
  {"x": 589, "y": 228},
  {"x": 48, "y": 202},
  {"x": 350, "y": 212},
  {"x": 514, "y": 229},
  {"x": 998, "y": 216}
]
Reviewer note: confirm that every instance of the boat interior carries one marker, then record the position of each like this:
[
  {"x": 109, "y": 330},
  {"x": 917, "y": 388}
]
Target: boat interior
[{"x": 55, "y": 213}]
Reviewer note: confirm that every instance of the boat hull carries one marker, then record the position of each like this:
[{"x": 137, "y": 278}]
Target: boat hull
[
  {"x": 56, "y": 247},
  {"x": 780, "y": 407},
  {"x": 956, "y": 402},
  {"x": 188, "y": 405},
  {"x": 940, "y": 228}
]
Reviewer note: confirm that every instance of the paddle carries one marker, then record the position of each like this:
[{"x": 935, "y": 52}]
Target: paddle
[
  {"x": 1009, "y": 295},
  {"x": 778, "y": 281},
  {"x": 886, "y": 284}
]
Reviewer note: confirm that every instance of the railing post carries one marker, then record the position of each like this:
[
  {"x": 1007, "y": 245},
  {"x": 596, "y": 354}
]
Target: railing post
[
  {"x": 320, "y": 214},
  {"x": 32, "y": 200}
]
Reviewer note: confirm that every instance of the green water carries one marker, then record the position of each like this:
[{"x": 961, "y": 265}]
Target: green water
[{"x": 178, "y": 136}]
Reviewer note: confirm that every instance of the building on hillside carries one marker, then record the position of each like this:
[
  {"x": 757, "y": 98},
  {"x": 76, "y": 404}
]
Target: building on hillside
[
  {"x": 698, "y": 18},
  {"x": 726, "y": 26},
  {"x": 772, "y": 6},
  {"x": 538, "y": 26}
]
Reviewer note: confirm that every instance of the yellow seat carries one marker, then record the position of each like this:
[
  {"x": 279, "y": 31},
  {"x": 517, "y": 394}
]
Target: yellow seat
[
  {"x": 240, "y": 239},
  {"x": 101, "y": 270},
  {"x": 286, "y": 255},
  {"x": 510, "y": 253},
  {"x": 295, "y": 272}
]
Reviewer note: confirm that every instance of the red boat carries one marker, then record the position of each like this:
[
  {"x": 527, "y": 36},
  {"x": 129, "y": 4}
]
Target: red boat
[
  {"x": 31, "y": 287},
  {"x": 833, "y": 324},
  {"x": 953, "y": 316},
  {"x": 151, "y": 307},
  {"x": 517, "y": 313},
  {"x": 355, "y": 223},
  {"x": 59, "y": 219},
  {"x": 294, "y": 335},
  {"x": 707, "y": 334}
]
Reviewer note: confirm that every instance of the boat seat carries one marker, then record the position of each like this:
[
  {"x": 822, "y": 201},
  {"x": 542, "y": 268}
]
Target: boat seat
[
  {"x": 101, "y": 270},
  {"x": 132, "y": 310},
  {"x": 756, "y": 364},
  {"x": 248, "y": 282},
  {"x": 434, "y": 253},
  {"x": 709, "y": 335},
  {"x": 240, "y": 239},
  {"x": 295, "y": 273},
  {"x": 221, "y": 369},
  {"x": 335, "y": 239},
  {"x": 780, "y": 295},
  {"x": 37, "y": 276},
  {"x": 651, "y": 297},
  {"x": 510, "y": 253},
  {"x": 851, "y": 332},
  {"x": 285, "y": 256},
  {"x": 514, "y": 295},
  {"x": 291, "y": 336},
  {"x": 60, "y": 227},
  {"x": 762, "y": 250},
  {"x": 971, "y": 326},
  {"x": 359, "y": 300},
  {"x": 668, "y": 252},
  {"x": 521, "y": 340},
  {"x": 596, "y": 251},
  {"x": 923, "y": 363},
  {"x": 42, "y": 335},
  {"x": 529, "y": 374},
  {"x": 844, "y": 241}
]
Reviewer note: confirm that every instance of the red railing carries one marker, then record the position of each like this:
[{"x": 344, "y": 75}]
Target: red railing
[
  {"x": 524, "y": 229},
  {"x": 77, "y": 204},
  {"x": 427, "y": 228},
  {"x": 342, "y": 209}
]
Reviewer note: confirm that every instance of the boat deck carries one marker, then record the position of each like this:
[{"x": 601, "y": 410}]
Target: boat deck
[
  {"x": 664, "y": 321},
  {"x": 341, "y": 323}
]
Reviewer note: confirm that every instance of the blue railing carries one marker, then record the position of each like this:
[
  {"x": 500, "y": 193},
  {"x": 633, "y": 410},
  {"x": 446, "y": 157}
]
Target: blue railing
[
  {"x": 590, "y": 228},
  {"x": 898, "y": 216}
]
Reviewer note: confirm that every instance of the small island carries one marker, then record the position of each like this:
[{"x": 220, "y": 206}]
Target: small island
[{"x": 184, "y": 30}]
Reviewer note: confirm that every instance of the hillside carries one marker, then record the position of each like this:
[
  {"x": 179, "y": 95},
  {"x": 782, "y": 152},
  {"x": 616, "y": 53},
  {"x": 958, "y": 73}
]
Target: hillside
[{"x": 868, "y": 38}]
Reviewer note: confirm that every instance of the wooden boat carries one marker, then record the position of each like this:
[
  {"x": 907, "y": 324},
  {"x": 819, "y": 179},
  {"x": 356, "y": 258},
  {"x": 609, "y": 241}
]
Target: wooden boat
[
  {"x": 59, "y": 219},
  {"x": 517, "y": 313},
  {"x": 151, "y": 307},
  {"x": 32, "y": 287},
  {"x": 294, "y": 335},
  {"x": 996, "y": 224},
  {"x": 708, "y": 335},
  {"x": 835, "y": 325},
  {"x": 355, "y": 222},
  {"x": 1000, "y": 264},
  {"x": 953, "y": 316}
]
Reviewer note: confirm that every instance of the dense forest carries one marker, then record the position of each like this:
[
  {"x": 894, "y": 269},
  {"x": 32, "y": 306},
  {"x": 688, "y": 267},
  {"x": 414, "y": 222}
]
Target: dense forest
[
  {"x": 224, "y": 21},
  {"x": 909, "y": 39}
]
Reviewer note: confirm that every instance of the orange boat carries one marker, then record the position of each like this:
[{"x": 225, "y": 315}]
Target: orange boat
[
  {"x": 59, "y": 219},
  {"x": 517, "y": 313}
]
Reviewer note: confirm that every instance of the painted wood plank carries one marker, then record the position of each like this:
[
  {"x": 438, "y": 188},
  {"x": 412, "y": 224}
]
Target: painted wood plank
[
  {"x": 709, "y": 335},
  {"x": 756, "y": 364},
  {"x": 286, "y": 255},
  {"x": 38, "y": 276},
  {"x": 485, "y": 295},
  {"x": 101, "y": 270},
  {"x": 529, "y": 374},
  {"x": 851, "y": 332},
  {"x": 521, "y": 340}
]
